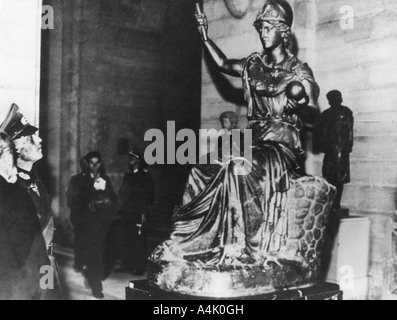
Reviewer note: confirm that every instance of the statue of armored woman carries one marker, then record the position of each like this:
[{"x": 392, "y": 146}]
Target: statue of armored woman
[{"x": 261, "y": 232}]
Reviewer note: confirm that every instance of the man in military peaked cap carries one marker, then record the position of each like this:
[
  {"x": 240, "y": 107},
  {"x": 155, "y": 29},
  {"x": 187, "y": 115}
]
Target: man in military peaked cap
[
  {"x": 136, "y": 195},
  {"x": 16, "y": 125},
  {"x": 22, "y": 247},
  {"x": 29, "y": 151}
]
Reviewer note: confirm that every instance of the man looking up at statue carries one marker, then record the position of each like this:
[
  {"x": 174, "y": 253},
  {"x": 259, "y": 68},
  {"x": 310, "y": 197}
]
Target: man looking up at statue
[{"x": 29, "y": 151}]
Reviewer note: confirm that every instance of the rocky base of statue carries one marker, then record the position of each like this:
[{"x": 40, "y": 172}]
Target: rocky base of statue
[
  {"x": 228, "y": 281},
  {"x": 295, "y": 265}
]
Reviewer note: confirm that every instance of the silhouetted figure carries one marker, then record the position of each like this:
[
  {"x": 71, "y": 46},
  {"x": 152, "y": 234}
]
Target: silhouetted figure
[
  {"x": 136, "y": 195},
  {"x": 336, "y": 142}
]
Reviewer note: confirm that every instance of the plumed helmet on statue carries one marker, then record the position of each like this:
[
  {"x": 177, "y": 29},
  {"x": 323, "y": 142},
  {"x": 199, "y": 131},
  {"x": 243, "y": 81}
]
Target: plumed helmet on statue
[
  {"x": 16, "y": 125},
  {"x": 277, "y": 11}
]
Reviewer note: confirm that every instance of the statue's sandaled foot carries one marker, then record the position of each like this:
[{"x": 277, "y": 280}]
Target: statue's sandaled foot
[
  {"x": 246, "y": 259},
  {"x": 290, "y": 255},
  {"x": 269, "y": 260}
]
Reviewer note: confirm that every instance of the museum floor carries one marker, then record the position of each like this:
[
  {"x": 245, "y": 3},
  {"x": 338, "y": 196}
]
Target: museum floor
[{"x": 73, "y": 282}]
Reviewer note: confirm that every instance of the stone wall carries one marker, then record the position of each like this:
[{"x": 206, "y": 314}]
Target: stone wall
[
  {"x": 113, "y": 70},
  {"x": 360, "y": 62},
  {"x": 237, "y": 38}
]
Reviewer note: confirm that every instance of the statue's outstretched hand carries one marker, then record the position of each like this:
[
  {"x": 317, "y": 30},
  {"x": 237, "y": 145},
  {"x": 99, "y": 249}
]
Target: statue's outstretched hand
[{"x": 202, "y": 23}]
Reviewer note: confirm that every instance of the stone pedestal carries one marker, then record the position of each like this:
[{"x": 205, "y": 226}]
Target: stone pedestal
[
  {"x": 349, "y": 258},
  {"x": 144, "y": 290}
]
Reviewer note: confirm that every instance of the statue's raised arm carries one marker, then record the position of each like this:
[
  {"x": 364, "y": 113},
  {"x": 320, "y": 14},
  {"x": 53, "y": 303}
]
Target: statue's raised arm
[{"x": 233, "y": 67}]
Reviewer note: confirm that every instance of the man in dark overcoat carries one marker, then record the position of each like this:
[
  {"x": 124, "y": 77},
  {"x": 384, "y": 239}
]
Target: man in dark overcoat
[
  {"x": 22, "y": 247},
  {"x": 136, "y": 196},
  {"x": 29, "y": 151}
]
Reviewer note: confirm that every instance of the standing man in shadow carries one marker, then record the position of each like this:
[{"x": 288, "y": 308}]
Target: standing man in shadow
[
  {"x": 336, "y": 136},
  {"x": 136, "y": 195}
]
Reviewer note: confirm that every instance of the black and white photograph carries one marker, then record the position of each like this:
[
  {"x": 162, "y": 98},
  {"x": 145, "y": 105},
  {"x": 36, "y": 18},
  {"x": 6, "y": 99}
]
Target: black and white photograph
[{"x": 217, "y": 151}]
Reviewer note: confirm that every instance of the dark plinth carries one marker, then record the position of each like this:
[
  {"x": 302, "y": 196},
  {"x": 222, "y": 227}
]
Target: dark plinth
[
  {"x": 343, "y": 213},
  {"x": 142, "y": 290}
]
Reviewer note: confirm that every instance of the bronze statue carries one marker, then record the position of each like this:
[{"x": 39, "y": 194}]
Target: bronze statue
[
  {"x": 337, "y": 137},
  {"x": 247, "y": 234}
]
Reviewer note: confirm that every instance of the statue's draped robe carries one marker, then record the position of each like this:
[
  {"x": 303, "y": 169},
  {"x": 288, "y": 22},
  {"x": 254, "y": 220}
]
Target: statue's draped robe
[{"x": 227, "y": 217}]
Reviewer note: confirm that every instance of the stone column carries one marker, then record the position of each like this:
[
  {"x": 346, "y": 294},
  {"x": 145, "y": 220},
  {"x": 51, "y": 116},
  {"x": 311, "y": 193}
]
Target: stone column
[{"x": 70, "y": 97}]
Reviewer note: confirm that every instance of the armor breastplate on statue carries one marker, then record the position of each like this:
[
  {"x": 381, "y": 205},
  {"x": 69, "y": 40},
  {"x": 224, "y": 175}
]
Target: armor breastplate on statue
[
  {"x": 266, "y": 80},
  {"x": 265, "y": 86}
]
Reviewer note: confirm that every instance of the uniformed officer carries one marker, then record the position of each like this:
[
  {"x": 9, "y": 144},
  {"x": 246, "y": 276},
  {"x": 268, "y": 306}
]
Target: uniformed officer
[
  {"x": 22, "y": 247},
  {"x": 136, "y": 195},
  {"x": 29, "y": 151}
]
